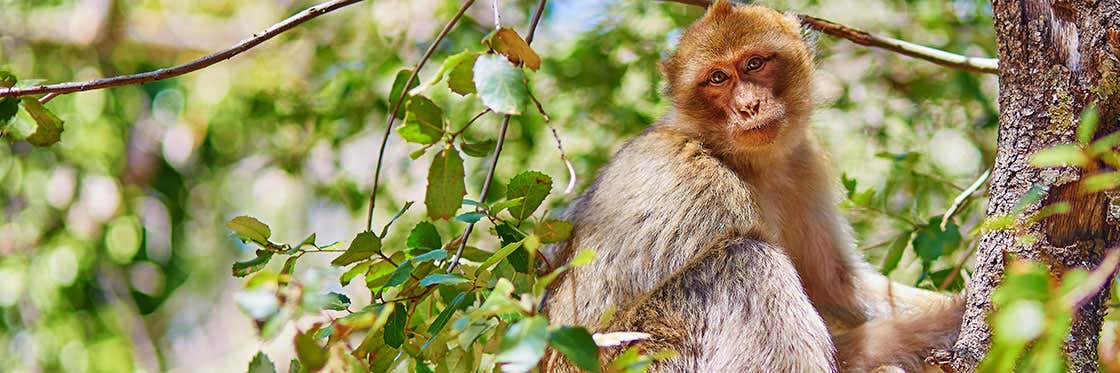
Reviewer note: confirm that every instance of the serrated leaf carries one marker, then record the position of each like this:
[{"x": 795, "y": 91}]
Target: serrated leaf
[
  {"x": 261, "y": 364},
  {"x": 446, "y": 187},
  {"x": 442, "y": 278},
  {"x": 48, "y": 127},
  {"x": 577, "y": 345},
  {"x": 424, "y": 236},
  {"x": 553, "y": 230},
  {"x": 311, "y": 354},
  {"x": 1059, "y": 155},
  {"x": 500, "y": 85},
  {"x": 478, "y": 150},
  {"x": 394, "y": 327},
  {"x": 423, "y": 121},
  {"x": 245, "y": 268},
  {"x": 398, "y": 87},
  {"x": 894, "y": 253},
  {"x": 250, "y": 229},
  {"x": 470, "y": 217},
  {"x": 534, "y": 187},
  {"x": 507, "y": 42},
  {"x": 524, "y": 344},
  {"x": 363, "y": 246}
]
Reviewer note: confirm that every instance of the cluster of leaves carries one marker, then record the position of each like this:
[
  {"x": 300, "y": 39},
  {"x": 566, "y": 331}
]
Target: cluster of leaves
[
  {"x": 48, "y": 127},
  {"x": 433, "y": 302}
]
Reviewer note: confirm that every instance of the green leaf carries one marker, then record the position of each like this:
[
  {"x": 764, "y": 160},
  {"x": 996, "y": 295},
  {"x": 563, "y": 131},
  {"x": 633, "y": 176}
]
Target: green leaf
[
  {"x": 337, "y": 301},
  {"x": 446, "y": 187},
  {"x": 532, "y": 185},
  {"x": 350, "y": 274},
  {"x": 478, "y": 150},
  {"x": 499, "y": 255},
  {"x": 442, "y": 278},
  {"x": 422, "y": 368},
  {"x": 524, "y": 344},
  {"x": 498, "y": 207},
  {"x": 577, "y": 345},
  {"x": 250, "y": 229},
  {"x": 470, "y": 217},
  {"x": 894, "y": 254},
  {"x": 394, "y": 328},
  {"x": 507, "y": 42},
  {"x": 423, "y": 121},
  {"x": 424, "y": 236},
  {"x": 261, "y": 364},
  {"x": 7, "y": 79},
  {"x": 1060, "y": 155},
  {"x": 309, "y": 241},
  {"x": 48, "y": 127},
  {"x": 310, "y": 353},
  {"x": 438, "y": 254},
  {"x": 500, "y": 84},
  {"x": 245, "y": 268},
  {"x": 461, "y": 77},
  {"x": 1088, "y": 124},
  {"x": 398, "y": 88},
  {"x": 363, "y": 246},
  {"x": 8, "y": 108},
  {"x": 931, "y": 242},
  {"x": 385, "y": 229},
  {"x": 553, "y": 230},
  {"x": 295, "y": 367},
  {"x": 442, "y": 319},
  {"x": 583, "y": 257},
  {"x": 400, "y": 274}
]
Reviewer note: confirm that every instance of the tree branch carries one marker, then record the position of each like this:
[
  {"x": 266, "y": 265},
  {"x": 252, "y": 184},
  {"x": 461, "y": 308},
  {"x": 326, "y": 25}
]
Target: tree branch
[
  {"x": 170, "y": 72},
  {"x": 937, "y": 56}
]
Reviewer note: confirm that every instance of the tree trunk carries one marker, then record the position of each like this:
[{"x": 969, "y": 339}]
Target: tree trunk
[{"x": 1056, "y": 57}]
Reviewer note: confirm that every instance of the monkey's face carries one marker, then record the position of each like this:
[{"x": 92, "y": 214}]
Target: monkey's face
[{"x": 743, "y": 75}]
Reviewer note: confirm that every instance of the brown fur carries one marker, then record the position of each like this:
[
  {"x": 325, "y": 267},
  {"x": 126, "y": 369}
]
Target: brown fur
[{"x": 716, "y": 229}]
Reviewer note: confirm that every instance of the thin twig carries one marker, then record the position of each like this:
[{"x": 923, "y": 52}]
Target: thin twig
[
  {"x": 396, "y": 106},
  {"x": 963, "y": 197},
  {"x": 170, "y": 72},
  {"x": 937, "y": 56},
  {"x": 560, "y": 146},
  {"x": 475, "y": 118},
  {"x": 959, "y": 268},
  {"x": 497, "y": 148}
]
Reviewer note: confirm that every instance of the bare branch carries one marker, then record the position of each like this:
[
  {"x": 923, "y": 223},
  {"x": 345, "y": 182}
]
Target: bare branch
[
  {"x": 937, "y": 56},
  {"x": 397, "y": 106},
  {"x": 170, "y": 72}
]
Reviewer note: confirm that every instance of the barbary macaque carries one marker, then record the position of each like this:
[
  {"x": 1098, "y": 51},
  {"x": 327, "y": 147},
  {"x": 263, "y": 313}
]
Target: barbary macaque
[{"x": 717, "y": 232}]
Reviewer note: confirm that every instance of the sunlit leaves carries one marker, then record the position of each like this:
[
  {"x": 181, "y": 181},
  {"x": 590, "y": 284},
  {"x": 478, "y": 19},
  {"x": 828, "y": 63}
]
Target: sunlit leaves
[
  {"x": 1088, "y": 124},
  {"x": 507, "y": 42},
  {"x": 553, "y": 230},
  {"x": 250, "y": 229},
  {"x": 1060, "y": 155},
  {"x": 261, "y": 364},
  {"x": 446, "y": 187},
  {"x": 423, "y": 121},
  {"x": 501, "y": 86},
  {"x": 534, "y": 187},
  {"x": 442, "y": 278},
  {"x": 577, "y": 345},
  {"x": 524, "y": 344},
  {"x": 460, "y": 75},
  {"x": 363, "y": 246}
]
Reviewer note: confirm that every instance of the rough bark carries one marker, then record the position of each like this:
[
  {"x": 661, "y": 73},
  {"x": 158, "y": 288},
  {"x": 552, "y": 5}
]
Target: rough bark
[{"x": 1056, "y": 57}]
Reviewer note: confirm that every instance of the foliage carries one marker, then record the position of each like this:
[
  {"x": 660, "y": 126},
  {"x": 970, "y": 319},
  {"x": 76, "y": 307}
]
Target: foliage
[{"x": 115, "y": 239}]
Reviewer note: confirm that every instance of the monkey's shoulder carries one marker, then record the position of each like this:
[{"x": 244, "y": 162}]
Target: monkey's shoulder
[{"x": 664, "y": 151}]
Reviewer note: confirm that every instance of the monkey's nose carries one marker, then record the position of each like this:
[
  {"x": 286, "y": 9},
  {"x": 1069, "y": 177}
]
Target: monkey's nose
[{"x": 750, "y": 109}]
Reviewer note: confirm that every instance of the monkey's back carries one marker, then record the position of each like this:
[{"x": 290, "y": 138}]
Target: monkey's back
[{"x": 643, "y": 219}]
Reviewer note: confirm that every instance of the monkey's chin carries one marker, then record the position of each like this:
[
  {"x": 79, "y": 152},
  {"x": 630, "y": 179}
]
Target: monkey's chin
[{"x": 756, "y": 135}]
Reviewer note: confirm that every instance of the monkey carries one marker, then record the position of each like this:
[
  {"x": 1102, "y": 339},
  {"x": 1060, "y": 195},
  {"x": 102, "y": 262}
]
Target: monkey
[{"x": 717, "y": 232}]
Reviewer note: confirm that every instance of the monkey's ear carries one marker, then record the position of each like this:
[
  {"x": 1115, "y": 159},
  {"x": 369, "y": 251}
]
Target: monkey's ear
[{"x": 719, "y": 8}]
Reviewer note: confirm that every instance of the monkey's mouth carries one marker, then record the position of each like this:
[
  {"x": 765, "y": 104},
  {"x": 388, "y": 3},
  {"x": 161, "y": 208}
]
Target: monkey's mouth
[{"x": 756, "y": 131}]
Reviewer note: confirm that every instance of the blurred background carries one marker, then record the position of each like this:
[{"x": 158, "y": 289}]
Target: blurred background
[{"x": 113, "y": 253}]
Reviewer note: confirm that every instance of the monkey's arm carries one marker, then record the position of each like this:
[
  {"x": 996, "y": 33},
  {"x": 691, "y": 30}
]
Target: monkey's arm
[{"x": 717, "y": 314}]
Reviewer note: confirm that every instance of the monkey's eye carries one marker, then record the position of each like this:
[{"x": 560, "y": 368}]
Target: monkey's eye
[
  {"x": 754, "y": 63},
  {"x": 718, "y": 77}
]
